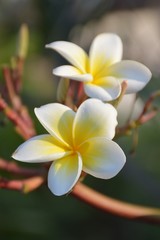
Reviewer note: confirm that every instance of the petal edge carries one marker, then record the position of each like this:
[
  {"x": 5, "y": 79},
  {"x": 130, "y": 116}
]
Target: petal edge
[
  {"x": 42, "y": 148},
  {"x": 67, "y": 71},
  {"x": 72, "y": 53},
  {"x": 102, "y": 158},
  {"x": 136, "y": 74},
  {"x": 64, "y": 174}
]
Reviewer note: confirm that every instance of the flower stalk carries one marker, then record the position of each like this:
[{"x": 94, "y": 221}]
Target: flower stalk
[{"x": 116, "y": 207}]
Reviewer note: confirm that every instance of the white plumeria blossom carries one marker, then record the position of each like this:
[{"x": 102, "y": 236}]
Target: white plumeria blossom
[
  {"x": 103, "y": 71},
  {"x": 76, "y": 142}
]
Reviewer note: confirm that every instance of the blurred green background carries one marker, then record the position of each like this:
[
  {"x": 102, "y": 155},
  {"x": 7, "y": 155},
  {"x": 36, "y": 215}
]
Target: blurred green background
[{"x": 40, "y": 215}]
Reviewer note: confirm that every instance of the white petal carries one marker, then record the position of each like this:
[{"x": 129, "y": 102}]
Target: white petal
[
  {"x": 72, "y": 53},
  {"x": 64, "y": 173},
  {"x": 107, "y": 89},
  {"x": 94, "y": 119},
  {"x": 102, "y": 158},
  {"x": 129, "y": 109},
  {"x": 125, "y": 109},
  {"x": 73, "y": 73},
  {"x": 57, "y": 120},
  {"x": 106, "y": 49},
  {"x": 42, "y": 148},
  {"x": 138, "y": 108},
  {"x": 136, "y": 74}
]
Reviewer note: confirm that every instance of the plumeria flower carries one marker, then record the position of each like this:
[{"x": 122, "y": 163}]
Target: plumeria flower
[
  {"x": 103, "y": 71},
  {"x": 76, "y": 142}
]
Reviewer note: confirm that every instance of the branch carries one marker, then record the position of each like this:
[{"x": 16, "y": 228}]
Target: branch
[
  {"x": 149, "y": 102},
  {"x": 82, "y": 192},
  {"x": 13, "y": 168},
  {"x": 116, "y": 207},
  {"x": 13, "y": 81},
  {"x": 21, "y": 126},
  {"x": 25, "y": 185}
]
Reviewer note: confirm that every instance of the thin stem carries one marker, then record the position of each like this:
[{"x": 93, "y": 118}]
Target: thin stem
[
  {"x": 149, "y": 102},
  {"x": 13, "y": 168},
  {"x": 21, "y": 127},
  {"x": 116, "y": 207},
  {"x": 25, "y": 185}
]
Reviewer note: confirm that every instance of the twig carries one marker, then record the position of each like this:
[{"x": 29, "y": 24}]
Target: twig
[
  {"x": 25, "y": 185},
  {"x": 13, "y": 168},
  {"x": 148, "y": 103},
  {"x": 21, "y": 126},
  {"x": 13, "y": 80},
  {"x": 116, "y": 207}
]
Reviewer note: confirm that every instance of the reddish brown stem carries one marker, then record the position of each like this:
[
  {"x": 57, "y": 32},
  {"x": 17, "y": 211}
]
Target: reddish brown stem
[
  {"x": 15, "y": 100},
  {"x": 12, "y": 184},
  {"x": 13, "y": 168},
  {"x": 8, "y": 80},
  {"x": 22, "y": 128},
  {"x": 17, "y": 74},
  {"x": 25, "y": 185},
  {"x": 148, "y": 116},
  {"x": 149, "y": 102},
  {"x": 13, "y": 81},
  {"x": 116, "y": 207}
]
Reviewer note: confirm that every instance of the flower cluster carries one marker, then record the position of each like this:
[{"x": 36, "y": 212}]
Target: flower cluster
[{"x": 82, "y": 141}]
